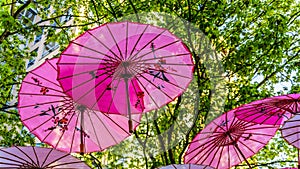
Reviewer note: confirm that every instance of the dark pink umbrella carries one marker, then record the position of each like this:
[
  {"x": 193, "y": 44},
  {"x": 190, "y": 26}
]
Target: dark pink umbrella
[
  {"x": 56, "y": 119},
  {"x": 38, "y": 158},
  {"x": 272, "y": 110},
  {"x": 125, "y": 68},
  {"x": 186, "y": 166},
  {"x": 228, "y": 141}
]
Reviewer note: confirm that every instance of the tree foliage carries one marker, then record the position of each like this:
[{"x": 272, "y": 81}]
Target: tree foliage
[{"x": 257, "y": 43}]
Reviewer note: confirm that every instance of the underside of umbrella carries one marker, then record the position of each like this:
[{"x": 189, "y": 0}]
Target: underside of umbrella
[
  {"x": 38, "y": 158},
  {"x": 57, "y": 120},
  {"x": 272, "y": 110},
  {"x": 125, "y": 68},
  {"x": 228, "y": 141}
]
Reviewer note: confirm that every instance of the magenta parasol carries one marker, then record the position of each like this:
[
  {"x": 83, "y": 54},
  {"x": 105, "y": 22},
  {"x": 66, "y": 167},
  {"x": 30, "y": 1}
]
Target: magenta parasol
[
  {"x": 272, "y": 110},
  {"x": 125, "y": 68},
  {"x": 57, "y": 120},
  {"x": 37, "y": 158},
  {"x": 228, "y": 141}
]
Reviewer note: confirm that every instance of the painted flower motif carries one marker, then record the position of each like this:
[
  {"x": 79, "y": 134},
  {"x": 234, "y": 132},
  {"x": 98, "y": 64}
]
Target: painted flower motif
[{"x": 44, "y": 90}]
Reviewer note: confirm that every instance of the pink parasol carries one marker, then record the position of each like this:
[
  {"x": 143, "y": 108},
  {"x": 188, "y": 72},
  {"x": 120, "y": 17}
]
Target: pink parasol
[
  {"x": 57, "y": 120},
  {"x": 37, "y": 158},
  {"x": 125, "y": 68},
  {"x": 272, "y": 110},
  {"x": 186, "y": 166},
  {"x": 227, "y": 141}
]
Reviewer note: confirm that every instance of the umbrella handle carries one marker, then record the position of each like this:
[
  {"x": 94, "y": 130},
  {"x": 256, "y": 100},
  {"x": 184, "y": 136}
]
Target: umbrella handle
[
  {"x": 130, "y": 126},
  {"x": 81, "y": 148}
]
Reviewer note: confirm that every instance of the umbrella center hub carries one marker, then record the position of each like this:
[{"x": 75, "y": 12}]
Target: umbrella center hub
[
  {"x": 127, "y": 69},
  {"x": 231, "y": 136}
]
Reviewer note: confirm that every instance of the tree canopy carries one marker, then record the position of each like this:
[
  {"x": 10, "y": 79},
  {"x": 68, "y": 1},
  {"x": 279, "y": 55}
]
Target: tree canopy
[{"x": 243, "y": 50}]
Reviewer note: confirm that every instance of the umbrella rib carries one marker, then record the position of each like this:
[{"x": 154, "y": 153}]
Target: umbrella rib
[
  {"x": 134, "y": 57},
  {"x": 297, "y": 120},
  {"x": 161, "y": 79},
  {"x": 33, "y": 84},
  {"x": 65, "y": 131},
  {"x": 53, "y": 161},
  {"x": 73, "y": 135},
  {"x": 147, "y": 92},
  {"x": 54, "y": 67},
  {"x": 93, "y": 51},
  {"x": 47, "y": 156},
  {"x": 87, "y": 72},
  {"x": 14, "y": 165},
  {"x": 112, "y": 120},
  {"x": 163, "y": 57},
  {"x": 291, "y": 134},
  {"x": 37, "y": 104},
  {"x": 105, "y": 47},
  {"x": 84, "y": 56},
  {"x": 121, "y": 56},
  {"x": 164, "y": 30},
  {"x": 66, "y": 163},
  {"x": 210, "y": 150},
  {"x": 33, "y": 162},
  {"x": 171, "y": 64},
  {"x": 44, "y": 78},
  {"x": 238, "y": 154},
  {"x": 216, "y": 152},
  {"x": 94, "y": 130},
  {"x": 35, "y": 94},
  {"x": 44, "y": 112},
  {"x": 112, "y": 99},
  {"x": 138, "y": 40},
  {"x": 294, "y": 141},
  {"x": 271, "y": 108},
  {"x": 206, "y": 144},
  {"x": 37, "y": 159},
  {"x": 88, "y": 90},
  {"x": 219, "y": 158},
  {"x": 174, "y": 74},
  {"x": 107, "y": 130},
  {"x": 248, "y": 147},
  {"x": 6, "y": 158},
  {"x": 62, "y": 134},
  {"x": 126, "y": 46}
]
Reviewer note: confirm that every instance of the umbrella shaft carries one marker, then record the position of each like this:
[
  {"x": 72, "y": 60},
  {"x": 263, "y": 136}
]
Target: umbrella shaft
[
  {"x": 81, "y": 133},
  {"x": 128, "y": 107}
]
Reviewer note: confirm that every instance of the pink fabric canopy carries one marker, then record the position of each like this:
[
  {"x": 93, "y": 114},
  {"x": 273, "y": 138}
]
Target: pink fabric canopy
[
  {"x": 125, "y": 67},
  {"x": 272, "y": 110},
  {"x": 57, "y": 120},
  {"x": 227, "y": 141},
  {"x": 37, "y": 157},
  {"x": 186, "y": 166}
]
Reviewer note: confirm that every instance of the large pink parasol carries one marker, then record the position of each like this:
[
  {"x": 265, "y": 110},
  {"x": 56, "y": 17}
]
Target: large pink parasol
[
  {"x": 38, "y": 158},
  {"x": 228, "y": 141},
  {"x": 125, "y": 67},
  {"x": 56, "y": 119},
  {"x": 186, "y": 166},
  {"x": 272, "y": 110}
]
